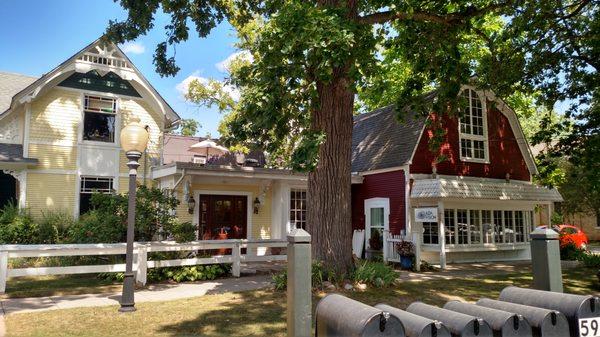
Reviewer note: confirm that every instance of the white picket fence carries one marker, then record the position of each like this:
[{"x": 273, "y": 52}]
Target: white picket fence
[
  {"x": 141, "y": 262},
  {"x": 391, "y": 254}
]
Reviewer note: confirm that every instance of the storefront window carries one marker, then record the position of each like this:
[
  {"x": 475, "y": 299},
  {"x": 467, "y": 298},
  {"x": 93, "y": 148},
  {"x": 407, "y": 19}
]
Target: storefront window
[{"x": 476, "y": 227}]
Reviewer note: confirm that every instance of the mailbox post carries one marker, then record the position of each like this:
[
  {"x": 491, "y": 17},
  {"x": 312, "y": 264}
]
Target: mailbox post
[
  {"x": 299, "y": 286},
  {"x": 545, "y": 260}
]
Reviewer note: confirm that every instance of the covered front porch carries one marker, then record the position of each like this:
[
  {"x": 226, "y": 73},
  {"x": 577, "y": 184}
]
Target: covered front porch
[
  {"x": 236, "y": 202},
  {"x": 473, "y": 220}
]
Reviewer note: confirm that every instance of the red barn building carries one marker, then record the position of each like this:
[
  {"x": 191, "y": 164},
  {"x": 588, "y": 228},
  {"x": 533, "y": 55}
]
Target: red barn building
[{"x": 477, "y": 204}]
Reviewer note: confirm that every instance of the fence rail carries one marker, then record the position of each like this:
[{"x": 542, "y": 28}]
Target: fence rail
[{"x": 233, "y": 248}]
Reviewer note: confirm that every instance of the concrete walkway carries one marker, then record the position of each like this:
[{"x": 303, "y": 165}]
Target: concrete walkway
[{"x": 153, "y": 293}]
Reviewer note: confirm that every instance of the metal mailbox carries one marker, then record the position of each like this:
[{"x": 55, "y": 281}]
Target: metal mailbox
[
  {"x": 339, "y": 316},
  {"x": 572, "y": 306},
  {"x": 504, "y": 324},
  {"x": 544, "y": 322},
  {"x": 460, "y": 325},
  {"x": 416, "y": 326}
]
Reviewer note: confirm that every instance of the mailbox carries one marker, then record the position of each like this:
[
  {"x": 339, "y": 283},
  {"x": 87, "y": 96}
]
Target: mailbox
[
  {"x": 460, "y": 325},
  {"x": 414, "y": 325},
  {"x": 573, "y": 307},
  {"x": 544, "y": 322},
  {"x": 339, "y": 316},
  {"x": 504, "y": 324}
]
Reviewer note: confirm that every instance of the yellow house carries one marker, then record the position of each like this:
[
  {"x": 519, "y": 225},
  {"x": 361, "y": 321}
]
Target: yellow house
[{"x": 59, "y": 134}]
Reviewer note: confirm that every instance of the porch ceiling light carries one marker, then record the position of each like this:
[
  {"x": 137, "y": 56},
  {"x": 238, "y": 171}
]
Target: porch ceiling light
[{"x": 134, "y": 137}]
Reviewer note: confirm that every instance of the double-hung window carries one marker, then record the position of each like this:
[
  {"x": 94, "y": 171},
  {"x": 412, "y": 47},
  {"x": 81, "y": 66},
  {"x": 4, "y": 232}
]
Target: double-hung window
[
  {"x": 99, "y": 119},
  {"x": 473, "y": 129}
]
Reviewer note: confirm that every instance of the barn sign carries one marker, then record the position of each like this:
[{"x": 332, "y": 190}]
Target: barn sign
[{"x": 426, "y": 214}]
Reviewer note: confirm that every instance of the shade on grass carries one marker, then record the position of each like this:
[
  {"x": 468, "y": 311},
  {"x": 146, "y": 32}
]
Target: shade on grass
[{"x": 257, "y": 313}]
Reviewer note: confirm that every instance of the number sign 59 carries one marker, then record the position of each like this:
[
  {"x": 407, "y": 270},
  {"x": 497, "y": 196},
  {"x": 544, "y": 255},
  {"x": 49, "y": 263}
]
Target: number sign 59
[{"x": 589, "y": 327}]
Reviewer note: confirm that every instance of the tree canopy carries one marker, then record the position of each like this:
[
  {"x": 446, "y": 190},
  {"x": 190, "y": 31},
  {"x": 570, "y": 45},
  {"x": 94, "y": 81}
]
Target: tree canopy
[{"x": 309, "y": 60}]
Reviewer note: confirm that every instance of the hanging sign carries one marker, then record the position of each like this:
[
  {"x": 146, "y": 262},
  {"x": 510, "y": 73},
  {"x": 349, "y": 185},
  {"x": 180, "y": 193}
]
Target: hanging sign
[{"x": 426, "y": 214}]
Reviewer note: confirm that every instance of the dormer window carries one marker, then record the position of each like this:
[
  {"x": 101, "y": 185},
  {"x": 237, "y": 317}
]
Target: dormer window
[
  {"x": 99, "y": 119},
  {"x": 473, "y": 129}
]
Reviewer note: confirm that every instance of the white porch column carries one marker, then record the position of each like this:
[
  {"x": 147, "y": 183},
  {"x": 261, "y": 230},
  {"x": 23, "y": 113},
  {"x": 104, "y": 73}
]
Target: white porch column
[
  {"x": 277, "y": 211},
  {"x": 442, "y": 235},
  {"x": 550, "y": 211}
]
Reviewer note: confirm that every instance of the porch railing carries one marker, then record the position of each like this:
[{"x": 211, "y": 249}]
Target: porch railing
[{"x": 231, "y": 249}]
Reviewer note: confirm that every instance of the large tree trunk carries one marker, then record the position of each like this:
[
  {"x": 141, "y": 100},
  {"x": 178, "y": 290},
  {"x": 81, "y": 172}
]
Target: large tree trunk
[
  {"x": 329, "y": 185},
  {"x": 329, "y": 218}
]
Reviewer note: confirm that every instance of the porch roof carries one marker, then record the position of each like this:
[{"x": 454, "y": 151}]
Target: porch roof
[
  {"x": 226, "y": 170},
  {"x": 474, "y": 189},
  {"x": 12, "y": 155}
]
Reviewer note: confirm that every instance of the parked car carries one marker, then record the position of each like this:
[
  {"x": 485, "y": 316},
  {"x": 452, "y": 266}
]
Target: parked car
[{"x": 569, "y": 233}]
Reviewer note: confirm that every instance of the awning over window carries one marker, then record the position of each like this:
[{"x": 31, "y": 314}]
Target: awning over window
[{"x": 473, "y": 189}]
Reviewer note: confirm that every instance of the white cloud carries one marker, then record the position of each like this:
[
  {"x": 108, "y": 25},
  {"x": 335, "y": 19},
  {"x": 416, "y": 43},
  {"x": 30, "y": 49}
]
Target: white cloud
[
  {"x": 183, "y": 86},
  {"x": 223, "y": 66},
  {"x": 133, "y": 48}
]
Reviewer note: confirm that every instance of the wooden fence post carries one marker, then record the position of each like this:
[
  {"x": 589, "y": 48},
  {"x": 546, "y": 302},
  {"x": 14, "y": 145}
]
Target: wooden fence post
[
  {"x": 236, "y": 254},
  {"x": 141, "y": 265},
  {"x": 3, "y": 271}
]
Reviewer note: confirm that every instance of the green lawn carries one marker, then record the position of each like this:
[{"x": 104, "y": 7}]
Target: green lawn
[
  {"x": 257, "y": 313},
  {"x": 59, "y": 285}
]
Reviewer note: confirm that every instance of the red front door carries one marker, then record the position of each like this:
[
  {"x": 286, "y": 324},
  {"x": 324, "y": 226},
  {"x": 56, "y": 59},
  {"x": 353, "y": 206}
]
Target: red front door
[{"x": 223, "y": 214}]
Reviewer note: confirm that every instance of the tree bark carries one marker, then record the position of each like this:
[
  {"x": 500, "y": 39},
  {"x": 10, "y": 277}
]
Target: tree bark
[{"x": 329, "y": 218}]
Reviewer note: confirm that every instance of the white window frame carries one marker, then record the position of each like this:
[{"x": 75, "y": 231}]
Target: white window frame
[
  {"x": 377, "y": 203},
  {"x": 80, "y": 191},
  {"x": 115, "y": 141},
  {"x": 470, "y": 136},
  {"x": 293, "y": 222}
]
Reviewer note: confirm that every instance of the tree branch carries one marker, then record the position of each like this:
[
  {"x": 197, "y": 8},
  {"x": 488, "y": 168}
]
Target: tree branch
[{"x": 446, "y": 19}]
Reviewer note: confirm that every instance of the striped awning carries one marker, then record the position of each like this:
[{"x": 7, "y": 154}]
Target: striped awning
[{"x": 473, "y": 189}]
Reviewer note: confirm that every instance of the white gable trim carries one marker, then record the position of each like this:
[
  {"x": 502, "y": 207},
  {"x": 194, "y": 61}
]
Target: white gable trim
[
  {"x": 517, "y": 130},
  {"x": 79, "y": 63}
]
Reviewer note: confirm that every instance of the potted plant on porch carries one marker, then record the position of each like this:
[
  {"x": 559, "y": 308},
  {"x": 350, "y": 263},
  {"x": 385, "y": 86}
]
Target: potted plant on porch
[{"x": 406, "y": 250}]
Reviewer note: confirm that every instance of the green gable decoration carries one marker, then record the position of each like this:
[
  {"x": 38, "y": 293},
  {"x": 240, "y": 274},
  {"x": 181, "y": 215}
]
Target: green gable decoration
[{"x": 92, "y": 81}]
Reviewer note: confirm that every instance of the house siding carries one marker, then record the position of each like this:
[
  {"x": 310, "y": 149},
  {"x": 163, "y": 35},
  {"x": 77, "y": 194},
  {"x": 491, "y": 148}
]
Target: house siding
[
  {"x": 504, "y": 152},
  {"x": 50, "y": 192},
  {"x": 54, "y": 156},
  {"x": 55, "y": 117},
  {"x": 381, "y": 185}
]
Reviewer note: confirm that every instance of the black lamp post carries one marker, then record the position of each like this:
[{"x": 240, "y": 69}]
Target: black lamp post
[{"x": 134, "y": 138}]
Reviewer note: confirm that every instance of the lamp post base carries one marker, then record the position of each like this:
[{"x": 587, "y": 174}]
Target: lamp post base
[{"x": 127, "y": 307}]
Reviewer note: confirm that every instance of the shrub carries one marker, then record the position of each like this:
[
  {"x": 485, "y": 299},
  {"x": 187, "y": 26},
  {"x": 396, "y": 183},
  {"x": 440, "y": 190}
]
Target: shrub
[
  {"x": 280, "y": 280},
  {"x": 17, "y": 226},
  {"x": 153, "y": 211},
  {"x": 178, "y": 274},
  {"x": 183, "y": 231},
  {"x": 590, "y": 260},
  {"x": 98, "y": 227},
  {"x": 570, "y": 252},
  {"x": 54, "y": 227},
  {"x": 377, "y": 274}
]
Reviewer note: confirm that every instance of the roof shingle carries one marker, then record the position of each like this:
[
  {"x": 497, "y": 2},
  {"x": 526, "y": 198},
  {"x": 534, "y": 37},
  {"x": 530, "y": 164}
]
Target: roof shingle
[
  {"x": 10, "y": 85},
  {"x": 380, "y": 140}
]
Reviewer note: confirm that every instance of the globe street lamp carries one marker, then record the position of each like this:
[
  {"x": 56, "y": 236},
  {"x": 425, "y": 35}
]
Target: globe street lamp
[{"x": 134, "y": 138}]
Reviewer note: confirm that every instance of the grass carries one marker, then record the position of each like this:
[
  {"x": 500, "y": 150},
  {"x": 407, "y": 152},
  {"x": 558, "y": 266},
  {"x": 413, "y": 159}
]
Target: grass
[
  {"x": 258, "y": 313},
  {"x": 59, "y": 285}
]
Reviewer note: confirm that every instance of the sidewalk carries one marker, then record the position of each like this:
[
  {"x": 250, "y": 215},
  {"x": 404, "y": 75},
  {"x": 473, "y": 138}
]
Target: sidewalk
[{"x": 153, "y": 293}]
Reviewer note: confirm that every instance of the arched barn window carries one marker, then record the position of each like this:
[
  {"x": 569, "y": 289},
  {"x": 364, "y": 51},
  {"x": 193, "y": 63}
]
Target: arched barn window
[{"x": 473, "y": 129}]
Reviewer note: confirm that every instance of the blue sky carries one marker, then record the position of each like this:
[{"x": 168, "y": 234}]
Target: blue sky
[{"x": 37, "y": 36}]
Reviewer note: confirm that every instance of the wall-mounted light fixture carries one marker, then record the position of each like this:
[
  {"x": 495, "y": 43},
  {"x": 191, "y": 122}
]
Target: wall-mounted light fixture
[
  {"x": 191, "y": 204},
  {"x": 256, "y": 204}
]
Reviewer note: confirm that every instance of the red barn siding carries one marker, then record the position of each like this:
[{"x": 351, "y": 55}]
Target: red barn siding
[
  {"x": 504, "y": 153},
  {"x": 382, "y": 185}
]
